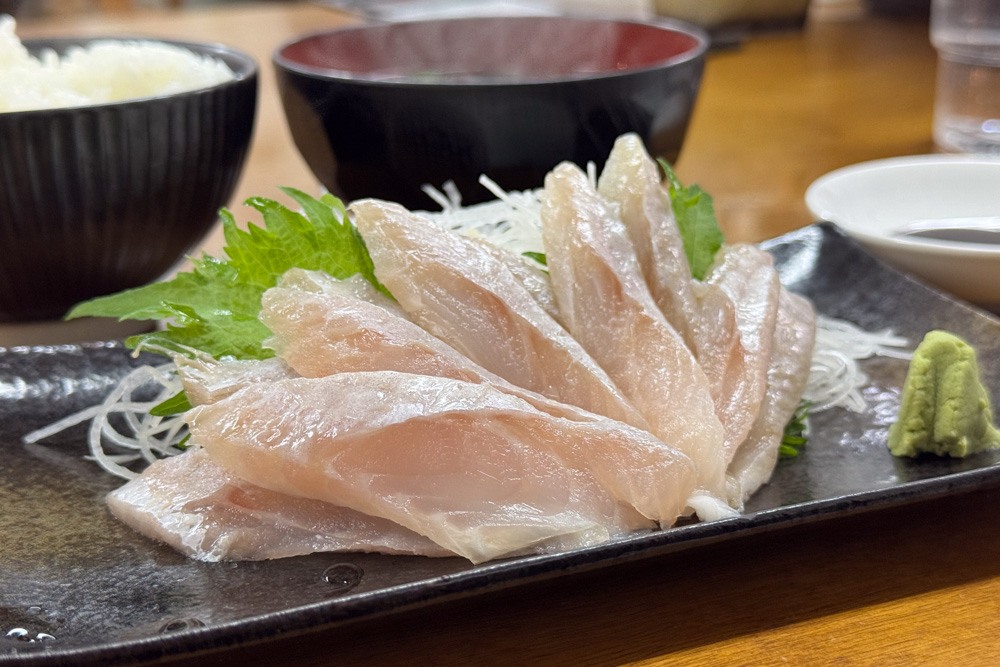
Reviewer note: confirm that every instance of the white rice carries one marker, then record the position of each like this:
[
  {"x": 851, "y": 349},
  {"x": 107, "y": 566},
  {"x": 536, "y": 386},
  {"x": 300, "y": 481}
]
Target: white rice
[{"x": 104, "y": 71}]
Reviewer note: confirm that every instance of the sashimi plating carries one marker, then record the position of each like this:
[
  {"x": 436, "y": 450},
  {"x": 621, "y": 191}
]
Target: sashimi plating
[{"x": 462, "y": 396}]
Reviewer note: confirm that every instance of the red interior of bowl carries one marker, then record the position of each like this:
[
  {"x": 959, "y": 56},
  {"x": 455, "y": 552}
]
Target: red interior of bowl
[{"x": 508, "y": 48}]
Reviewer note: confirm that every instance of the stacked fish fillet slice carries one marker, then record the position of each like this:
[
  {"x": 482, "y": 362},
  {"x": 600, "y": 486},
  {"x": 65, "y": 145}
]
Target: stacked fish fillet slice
[{"x": 491, "y": 409}]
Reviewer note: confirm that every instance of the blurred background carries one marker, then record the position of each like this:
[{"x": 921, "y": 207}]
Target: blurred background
[
  {"x": 712, "y": 13},
  {"x": 793, "y": 89}
]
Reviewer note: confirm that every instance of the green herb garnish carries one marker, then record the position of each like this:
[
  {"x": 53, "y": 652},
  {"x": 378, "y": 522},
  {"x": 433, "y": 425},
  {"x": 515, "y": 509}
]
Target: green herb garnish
[
  {"x": 172, "y": 406},
  {"x": 696, "y": 219},
  {"x": 537, "y": 256},
  {"x": 795, "y": 432},
  {"x": 214, "y": 307}
]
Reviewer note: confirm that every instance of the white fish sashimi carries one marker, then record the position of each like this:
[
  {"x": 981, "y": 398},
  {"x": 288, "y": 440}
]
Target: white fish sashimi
[
  {"x": 330, "y": 330},
  {"x": 204, "y": 511},
  {"x": 324, "y": 334},
  {"x": 468, "y": 298},
  {"x": 717, "y": 343},
  {"x": 632, "y": 180},
  {"x": 356, "y": 287},
  {"x": 192, "y": 504},
  {"x": 746, "y": 275},
  {"x": 794, "y": 338},
  {"x": 479, "y": 472},
  {"x": 530, "y": 275},
  {"x": 206, "y": 380},
  {"x": 603, "y": 297},
  {"x": 728, "y": 320}
]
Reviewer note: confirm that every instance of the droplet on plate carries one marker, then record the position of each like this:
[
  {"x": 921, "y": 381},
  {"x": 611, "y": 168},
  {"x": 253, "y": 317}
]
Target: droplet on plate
[
  {"x": 343, "y": 576},
  {"x": 44, "y": 637},
  {"x": 20, "y": 634},
  {"x": 178, "y": 624}
]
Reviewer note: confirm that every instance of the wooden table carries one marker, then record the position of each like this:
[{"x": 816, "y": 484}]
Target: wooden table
[{"x": 904, "y": 586}]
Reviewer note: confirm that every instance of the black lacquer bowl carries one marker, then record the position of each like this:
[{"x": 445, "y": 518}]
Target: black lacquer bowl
[
  {"x": 101, "y": 198},
  {"x": 379, "y": 110}
]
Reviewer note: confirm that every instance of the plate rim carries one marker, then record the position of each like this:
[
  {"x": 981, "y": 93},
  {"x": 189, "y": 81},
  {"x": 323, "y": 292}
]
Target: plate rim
[{"x": 506, "y": 574}]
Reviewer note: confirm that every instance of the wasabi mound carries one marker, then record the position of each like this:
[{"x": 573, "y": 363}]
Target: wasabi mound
[{"x": 945, "y": 408}]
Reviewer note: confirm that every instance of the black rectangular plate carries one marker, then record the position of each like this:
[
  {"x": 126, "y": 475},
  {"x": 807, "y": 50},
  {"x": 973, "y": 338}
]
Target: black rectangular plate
[{"x": 107, "y": 595}]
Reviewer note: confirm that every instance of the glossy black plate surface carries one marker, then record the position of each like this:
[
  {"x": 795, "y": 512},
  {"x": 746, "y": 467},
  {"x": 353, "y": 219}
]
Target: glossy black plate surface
[{"x": 86, "y": 589}]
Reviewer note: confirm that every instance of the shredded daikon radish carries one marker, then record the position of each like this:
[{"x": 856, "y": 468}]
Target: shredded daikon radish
[
  {"x": 835, "y": 376},
  {"x": 142, "y": 437},
  {"x": 513, "y": 220}
]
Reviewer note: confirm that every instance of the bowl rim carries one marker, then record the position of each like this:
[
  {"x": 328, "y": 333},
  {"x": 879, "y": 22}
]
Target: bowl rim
[
  {"x": 702, "y": 43},
  {"x": 917, "y": 246},
  {"x": 248, "y": 69}
]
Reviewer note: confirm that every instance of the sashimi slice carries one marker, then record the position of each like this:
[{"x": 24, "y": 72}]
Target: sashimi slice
[
  {"x": 330, "y": 330},
  {"x": 468, "y": 298},
  {"x": 601, "y": 292},
  {"x": 726, "y": 321},
  {"x": 192, "y": 504},
  {"x": 320, "y": 334},
  {"x": 478, "y": 471},
  {"x": 746, "y": 275},
  {"x": 794, "y": 337},
  {"x": 717, "y": 344},
  {"x": 632, "y": 180},
  {"x": 356, "y": 287},
  {"x": 531, "y": 277},
  {"x": 207, "y": 380}
]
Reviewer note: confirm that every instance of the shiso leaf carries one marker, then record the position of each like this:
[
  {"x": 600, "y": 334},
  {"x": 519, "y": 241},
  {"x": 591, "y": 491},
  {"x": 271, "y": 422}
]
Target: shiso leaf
[
  {"x": 213, "y": 308},
  {"x": 695, "y": 215}
]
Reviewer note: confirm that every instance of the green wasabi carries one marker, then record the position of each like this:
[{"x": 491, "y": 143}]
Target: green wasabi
[{"x": 945, "y": 409}]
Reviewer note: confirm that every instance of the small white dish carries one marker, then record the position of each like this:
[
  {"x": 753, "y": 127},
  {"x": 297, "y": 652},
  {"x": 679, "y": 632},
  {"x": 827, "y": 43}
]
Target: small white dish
[{"x": 874, "y": 201}]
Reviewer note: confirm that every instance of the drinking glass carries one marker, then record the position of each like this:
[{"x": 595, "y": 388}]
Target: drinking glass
[{"x": 966, "y": 34}]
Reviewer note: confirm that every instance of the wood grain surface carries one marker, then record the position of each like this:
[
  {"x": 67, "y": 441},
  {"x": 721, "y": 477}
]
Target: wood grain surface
[{"x": 914, "y": 585}]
